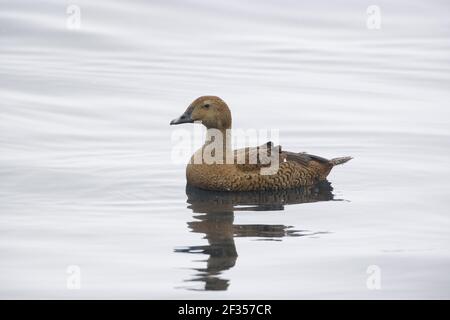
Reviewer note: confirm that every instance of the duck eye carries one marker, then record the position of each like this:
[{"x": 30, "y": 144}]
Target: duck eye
[{"x": 206, "y": 106}]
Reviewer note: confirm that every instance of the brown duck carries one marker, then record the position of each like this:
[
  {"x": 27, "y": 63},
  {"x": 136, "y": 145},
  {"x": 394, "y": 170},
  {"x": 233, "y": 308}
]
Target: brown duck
[{"x": 230, "y": 173}]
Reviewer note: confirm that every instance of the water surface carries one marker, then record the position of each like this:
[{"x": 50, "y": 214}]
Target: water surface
[{"x": 86, "y": 176}]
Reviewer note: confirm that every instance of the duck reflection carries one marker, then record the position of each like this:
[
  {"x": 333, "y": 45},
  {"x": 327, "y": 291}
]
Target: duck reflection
[{"x": 215, "y": 219}]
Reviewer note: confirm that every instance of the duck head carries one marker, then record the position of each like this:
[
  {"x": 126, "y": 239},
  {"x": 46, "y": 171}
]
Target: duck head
[{"x": 212, "y": 111}]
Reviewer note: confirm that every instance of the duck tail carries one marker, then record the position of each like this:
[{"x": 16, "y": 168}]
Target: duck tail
[{"x": 340, "y": 160}]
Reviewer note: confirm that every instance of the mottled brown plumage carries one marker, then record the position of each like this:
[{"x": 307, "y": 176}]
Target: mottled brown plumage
[{"x": 295, "y": 169}]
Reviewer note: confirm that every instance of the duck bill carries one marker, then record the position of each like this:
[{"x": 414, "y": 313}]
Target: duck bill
[{"x": 184, "y": 118}]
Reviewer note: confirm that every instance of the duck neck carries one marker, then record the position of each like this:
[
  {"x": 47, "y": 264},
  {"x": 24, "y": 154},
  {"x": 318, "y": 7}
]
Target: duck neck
[{"x": 217, "y": 144}]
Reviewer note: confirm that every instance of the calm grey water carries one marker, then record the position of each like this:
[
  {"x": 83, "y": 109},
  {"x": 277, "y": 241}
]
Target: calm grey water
[{"x": 87, "y": 179}]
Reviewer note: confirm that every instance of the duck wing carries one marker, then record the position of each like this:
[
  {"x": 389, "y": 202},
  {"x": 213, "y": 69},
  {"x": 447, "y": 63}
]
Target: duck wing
[
  {"x": 303, "y": 158},
  {"x": 255, "y": 158}
]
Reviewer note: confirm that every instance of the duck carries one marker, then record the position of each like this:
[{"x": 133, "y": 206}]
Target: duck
[{"x": 215, "y": 166}]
